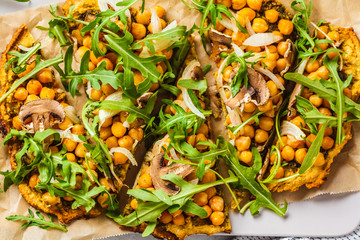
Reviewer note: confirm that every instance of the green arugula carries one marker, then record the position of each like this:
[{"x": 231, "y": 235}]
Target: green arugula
[
  {"x": 152, "y": 204},
  {"x": 247, "y": 178},
  {"x": 39, "y": 66},
  {"x": 40, "y": 221},
  {"x": 72, "y": 79},
  {"x": 200, "y": 85},
  {"x": 18, "y": 63},
  {"x": 254, "y": 117}
]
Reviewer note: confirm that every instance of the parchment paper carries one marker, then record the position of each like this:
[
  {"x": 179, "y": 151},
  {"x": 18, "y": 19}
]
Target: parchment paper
[{"x": 345, "y": 172}]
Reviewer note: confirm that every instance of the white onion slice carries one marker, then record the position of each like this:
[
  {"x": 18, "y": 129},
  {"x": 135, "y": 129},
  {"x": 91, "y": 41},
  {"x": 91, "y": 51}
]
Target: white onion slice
[
  {"x": 68, "y": 134},
  {"x": 155, "y": 21},
  {"x": 261, "y": 39},
  {"x": 229, "y": 23},
  {"x": 190, "y": 104},
  {"x": 238, "y": 51},
  {"x": 290, "y": 128},
  {"x": 187, "y": 71},
  {"x": 173, "y": 154},
  {"x": 302, "y": 66},
  {"x": 88, "y": 89},
  {"x": 271, "y": 75},
  {"x": 234, "y": 116},
  {"x": 249, "y": 27},
  {"x": 106, "y": 113},
  {"x": 194, "y": 181},
  {"x": 70, "y": 112},
  {"x": 126, "y": 152}
]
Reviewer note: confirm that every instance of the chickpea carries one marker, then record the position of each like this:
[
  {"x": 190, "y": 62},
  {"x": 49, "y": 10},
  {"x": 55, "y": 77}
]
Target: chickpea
[
  {"x": 249, "y": 131},
  {"x": 81, "y": 51},
  {"x": 79, "y": 182},
  {"x": 208, "y": 177},
  {"x": 200, "y": 137},
  {"x": 28, "y": 69},
  {"x": 347, "y": 92},
  {"x": 34, "y": 87},
  {"x": 266, "y": 107},
  {"x": 283, "y": 142},
  {"x": 312, "y": 65},
  {"x": 238, "y": 4},
  {"x": 104, "y": 182},
  {"x": 268, "y": 64},
  {"x": 246, "y": 13},
  {"x": 78, "y": 130},
  {"x": 51, "y": 200},
  {"x": 249, "y": 107},
  {"x": 217, "y": 218},
  {"x": 204, "y": 129},
  {"x": 281, "y": 64},
  {"x": 261, "y": 136},
  {"x": 68, "y": 198},
  {"x": 272, "y": 15},
  {"x": 293, "y": 142},
  {"x": 320, "y": 160},
  {"x": 279, "y": 34},
  {"x": 306, "y": 93},
  {"x": 251, "y": 48},
  {"x": 208, "y": 210},
  {"x": 201, "y": 198},
  {"x": 315, "y": 100},
  {"x": 282, "y": 47},
  {"x": 101, "y": 199},
  {"x": 17, "y": 124},
  {"x": 260, "y": 25},
  {"x": 108, "y": 64},
  {"x": 217, "y": 203},
  {"x": 87, "y": 41},
  {"x": 332, "y": 55},
  {"x": 126, "y": 142},
  {"x": 227, "y": 72},
  {"x": 118, "y": 129},
  {"x": 288, "y": 153},
  {"x": 143, "y": 17},
  {"x": 254, "y": 4},
  {"x": 327, "y": 143},
  {"x": 179, "y": 220},
  {"x": 47, "y": 93},
  {"x": 138, "y": 30},
  {"x": 91, "y": 66},
  {"x": 71, "y": 157},
  {"x": 112, "y": 142},
  {"x": 120, "y": 158},
  {"x": 160, "y": 11},
  {"x": 176, "y": 213},
  {"x": 319, "y": 34},
  {"x": 34, "y": 180},
  {"x": 21, "y": 94},
  {"x": 246, "y": 157},
  {"x": 321, "y": 46},
  {"x": 325, "y": 111},
  {"x": 335, "y": 36},
  {"x": 112, "y": 57},
  {"x": 227, "y": 3},
  {"x": 66, "y": 124},
  {"x": 95, "y": 60},
  {"x": 53, "y": 149},
  {"x": 105, "y": 132},
  {"x": 279, "y": 173},
  {"x": 313, "y": 75},
  {"x": 323, "y": 72},
  {"x": 80, "y": 150},
  {"x": 145, "y": 181},
  {"x": 69, "y": 144},
  {"x": 300, "y": 155},
  {"x": 242, "y": 143},
  {"x": 166, "y": 217},
  {"x": 272, "y": 88},
  {"x": 96, "y": 94},
  {"x": 45, "y": 75},
  {"x": 136, "y": 133},
  {"x": 107, "y": 89},
  {"x": 266, "y": 123},
  {"x": 285, "y": 26},
  {"x": 245, "y": 116},
  {"x": 310, "y": 139},
  {"x": 211, "y": 191},
  {"x": 219, "y": 27}
]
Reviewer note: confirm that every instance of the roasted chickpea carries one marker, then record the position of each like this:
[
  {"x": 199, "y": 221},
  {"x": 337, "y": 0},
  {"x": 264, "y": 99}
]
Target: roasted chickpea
[
  {"x": 227, "y": 72},
  {"x": 201, "y": 198},
  {"x": 260, "y": 25},
  {"x": 285, "y": 26},
  {"x": 120, "y": 158},
  {"x": 272, "y": 15},
  {"x": 34, "y": 180},
  {"x": 246, "y": 156},
  {"x": 208, "y": 210},
  {"x": 118, "y": 129},
  {"x": 17, "y": 124},
  {"x": 282, "y": 47},
  {"x": 101, "y": 199},
  {"x": 266, "y": 123},
  {"x": 208, "y": 177},
  {"x": 246, "y": 13},
  {"x": 266, "y": 107},
  {"x": 327, "y": 143},
  {"x": 78, "y": 129},
  {"x": 179, "y": 220},
  {"x": 249, "y": 107},
  {"x": 136, "y": 133},
  {"x": 69, "y": 144},
  {"x": 47, "y": 93},
  {"x": 242, "y": 143},
  {"x": 80, "y": 150},
  {"x": 335, "y": 36},
  {"x": 107, "y": 89},
  {"x": 105, "y": 132},
  {"x": 217, "y": 203},
  {"x": 45, "y": 75},
  {"x": 217, "y": 218},
  {"x": 320, "y": 160},
  {"x": 324, "y": 29},
  {"x": 224, "y": 2},
  {"x": 249, "y": 131},
  {"x": 312, "y": 65},
  {"x": 316, "y": 100},
  {"x": 211, "y": 192},
  {"x": 323, "y": 72},
  {"x": 138, "y": 30},
  {"x": 96, "y": 94},
  {"x": 31, "y": 98},
  {"x": 71, "y": 157},
  {"x": 254, "y": 4},
  {"x": 200, "y": 137},
  {"x": 66, "y": 124},
  {"x": 332, "y": 55},
  {"x": 126, "y": 142},
  {"x": 281, "y": 64},
  {"x": 293, "y": 142},
  {"x": 81, "y": 51},
  {"x": 238, "y": 4},
  {"x": 112, "y": 142},
  {"x": 34, "y": 87},
  {"x": 51, "y": 200},
  {"x": 272, "y": 88},
  {"x": 160, "y": 11},
  {"x": 166, "y": 217},
  {"x": 108, "y": 64},
  {"x": 95, "y": 60},
  {"x": 325, "y": 111},
  {"x": 288, "y": 153},
  {"x": 28, "y": 69},
  {"x": 279, "y": 173},
  {"x": 310, "y": 139},
  {"x": 21, "y": 94},
  {"x": 261, "y": 136},
  {"x": 143, "y": 17},
  {"x": 87, "y": 41},
  {"x": 300, "y": 155}
]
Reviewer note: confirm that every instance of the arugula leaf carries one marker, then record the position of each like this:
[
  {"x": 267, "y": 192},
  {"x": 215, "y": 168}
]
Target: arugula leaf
[
  {"x": 200, "y": 85},
  {"x": 236, "y": 129},
  {"x": 40, "y": 221},
  {"x": 147, "y": 211},
  {"x": 147, "y": 66},
  {"x": 18, "y": 63},
  {"x": 41, "y": 65},
  {"x": 99, "y": 74},
  {"x": 247, "y": 178}
]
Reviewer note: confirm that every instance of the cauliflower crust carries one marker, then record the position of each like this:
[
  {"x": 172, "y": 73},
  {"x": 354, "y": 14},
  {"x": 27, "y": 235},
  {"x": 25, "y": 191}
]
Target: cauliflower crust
[{"x": 316, "y": 176}]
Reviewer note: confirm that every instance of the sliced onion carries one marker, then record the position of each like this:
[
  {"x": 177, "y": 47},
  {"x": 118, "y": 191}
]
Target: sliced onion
[
  {"x": 262, "y": 39},
  {"x": 159, "y": 144},
  {"x": 290, "y": 128},
  {"x": 190, "y": 104},
  {"x": 238, "y": 51},
  {"x": 234, "y": 116},
  {"x": 126, "y": 124},
  {"x": 229, "y": 23},
  {"x": 173, "y": 154},
  {"x": 249, "y": 27},
  {"x": 88, "y": 89},
  {"x": 70, "y": 112},
  {"x": 106, "y": 113},
  {"x": 126, "y": 152},
  {"x": 256, "y": 57},
  {"x": 302, "y": 66},
  {"x": 271, "y": 75},
  {"x": 232, "y": 141},
  {"x": 25, "y": 49},
  {"x": 155, "y": 21},
  {"x": 187, "y": 71},
  {"x": 194, "y": 181},
  {"x": 68, "y": 134}
]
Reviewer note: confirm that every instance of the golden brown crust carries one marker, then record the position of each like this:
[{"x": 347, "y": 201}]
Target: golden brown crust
[{"x": 316, "y": 176}]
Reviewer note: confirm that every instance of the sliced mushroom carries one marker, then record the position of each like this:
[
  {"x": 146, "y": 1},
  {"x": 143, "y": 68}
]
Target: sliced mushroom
[
  {"x": 292, "y": 100},
  {"x": 142, "y": 100},
  {"x": 40, "y": 111},
  {"x": 196, "y": 73},
  {"x": 257, "y": 85},
  {"x": 157, "y": 170},
  {"x": 220, "y": 43},
  {"x": 289, "y": 56}
]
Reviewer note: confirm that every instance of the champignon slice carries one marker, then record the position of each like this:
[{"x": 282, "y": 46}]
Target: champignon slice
[
  {"x": 196, "y": 73},
  {"x": 292, "y": 100},
  {"x": 257, "y": 85},
  {"x": 289, "y": 56},
  {"x": 142, "y": 100},
  {"x": 157, "y": 170},
  {"x": 220, "y": 43},
  {"x": 40, "y": 111}
]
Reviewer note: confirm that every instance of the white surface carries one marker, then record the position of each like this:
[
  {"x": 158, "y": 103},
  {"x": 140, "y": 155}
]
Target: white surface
[{"x": 324, "y": 216}]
